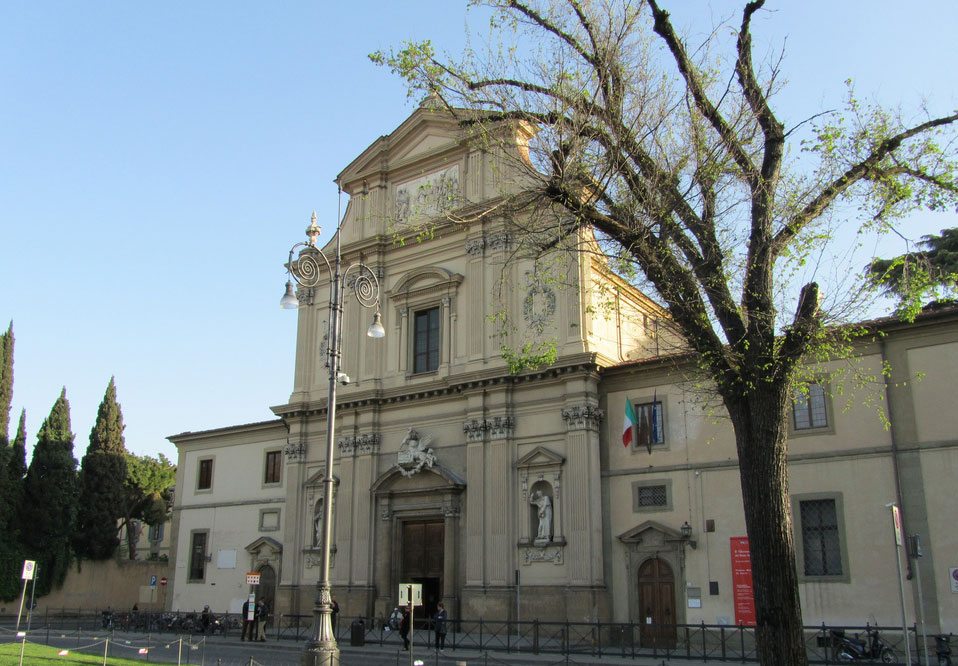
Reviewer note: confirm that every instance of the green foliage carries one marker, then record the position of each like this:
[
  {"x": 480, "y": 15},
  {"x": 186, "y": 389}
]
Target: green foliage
[
  {"x": 11, "y": 498},
  {"x": 6, "y": 384},
  {"x": 9, "y": 486},
  {"x": 915, "y": 277},
  {"x": 148, "y": 493},
  {"x": 102, "y": 483},
  {"x": 530, "y": 356},
  {"x": 48, "y": 514}
]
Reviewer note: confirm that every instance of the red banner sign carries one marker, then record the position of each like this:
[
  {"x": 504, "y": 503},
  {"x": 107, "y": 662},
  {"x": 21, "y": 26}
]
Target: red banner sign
[{"x": 742, "y": 592}]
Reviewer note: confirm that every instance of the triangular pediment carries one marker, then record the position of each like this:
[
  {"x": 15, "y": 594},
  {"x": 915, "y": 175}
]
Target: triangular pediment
[
  {"x": 540, "y": 457},
  {"x": 264, "y": 543},
  {"x": 317, "y": 479},
  {"x": 650, "y": 530},
  {"x": 420, "y": 144}
]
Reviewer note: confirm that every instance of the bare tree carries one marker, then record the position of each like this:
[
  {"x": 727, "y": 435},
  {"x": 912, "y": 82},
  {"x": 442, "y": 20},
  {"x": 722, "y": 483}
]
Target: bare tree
[{"x": 675, "y": 159}]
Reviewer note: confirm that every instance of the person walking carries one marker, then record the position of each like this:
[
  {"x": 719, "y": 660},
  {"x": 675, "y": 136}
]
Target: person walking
[
  {"x": 335, "y": 616},
  {"x": 248, "y": 626},
  {"x": 441, "y": 618},
  {"x": 261, "y": 615},
  {"x": 404, "y": 629},
  {"x": 206, "y": 617}
]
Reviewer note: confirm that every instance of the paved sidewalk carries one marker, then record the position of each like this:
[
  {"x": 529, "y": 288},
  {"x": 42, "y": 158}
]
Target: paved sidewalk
[{"x": 230, "y": 651}]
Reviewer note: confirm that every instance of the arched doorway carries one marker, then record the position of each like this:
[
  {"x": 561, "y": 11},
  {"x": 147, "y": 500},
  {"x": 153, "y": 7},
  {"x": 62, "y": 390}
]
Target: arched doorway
[
  {"x": 657, "y": 603},
  {"x": 266, "y": 592}
]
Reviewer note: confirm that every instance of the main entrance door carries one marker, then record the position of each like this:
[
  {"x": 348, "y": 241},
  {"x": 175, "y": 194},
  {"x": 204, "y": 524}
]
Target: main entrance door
[
  {"x": 422, "y": 561},
  {"x": 657, "y": 603}
]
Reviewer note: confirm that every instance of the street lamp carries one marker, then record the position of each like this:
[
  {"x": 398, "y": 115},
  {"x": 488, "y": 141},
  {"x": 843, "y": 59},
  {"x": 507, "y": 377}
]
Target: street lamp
[{"x": 306, "y": 271}]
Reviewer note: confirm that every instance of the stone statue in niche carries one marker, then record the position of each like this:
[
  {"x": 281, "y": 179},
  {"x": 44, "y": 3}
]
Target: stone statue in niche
[{"x": 544, "y": 503}]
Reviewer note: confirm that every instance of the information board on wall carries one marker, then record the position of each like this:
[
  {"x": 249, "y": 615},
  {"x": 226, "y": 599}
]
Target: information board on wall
[{"x": 742, "y": 591}]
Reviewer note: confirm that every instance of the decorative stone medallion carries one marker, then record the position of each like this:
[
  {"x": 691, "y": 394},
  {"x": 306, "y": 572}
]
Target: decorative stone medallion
[{"x": 539, "y": 306}]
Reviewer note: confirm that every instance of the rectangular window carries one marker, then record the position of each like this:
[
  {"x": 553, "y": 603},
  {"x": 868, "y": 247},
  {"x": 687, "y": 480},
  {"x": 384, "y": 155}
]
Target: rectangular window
[
  {"x": 426, "y": 340},
  {"x": 198, "y": 556},
  {"x": 652, "y": 496},
  {"x": 650, "y": 428},
  {"x": 274, "y": 468},
  {"x": 809, "y": 408},
  {"x": 156, "y": 532},
  {"x": 821, "y": 540},
  {"x": 204, "y": 477}
]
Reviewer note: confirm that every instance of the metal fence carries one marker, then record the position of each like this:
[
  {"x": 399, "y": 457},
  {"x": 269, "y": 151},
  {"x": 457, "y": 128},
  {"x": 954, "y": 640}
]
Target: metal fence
[{"x": 703, "y": 642}]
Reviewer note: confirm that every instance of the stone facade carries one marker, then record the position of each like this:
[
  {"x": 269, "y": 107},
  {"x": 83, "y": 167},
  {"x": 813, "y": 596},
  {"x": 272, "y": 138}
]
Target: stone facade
[{"x": 440, "y": 470}]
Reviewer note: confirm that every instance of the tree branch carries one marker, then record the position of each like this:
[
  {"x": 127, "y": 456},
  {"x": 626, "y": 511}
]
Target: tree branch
[
  {"x": 855, "y": 173},
  {"x": 663, "y": 27}
]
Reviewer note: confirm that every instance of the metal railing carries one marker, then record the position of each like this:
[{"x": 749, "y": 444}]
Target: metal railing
[{"x": 702, "y": 642}]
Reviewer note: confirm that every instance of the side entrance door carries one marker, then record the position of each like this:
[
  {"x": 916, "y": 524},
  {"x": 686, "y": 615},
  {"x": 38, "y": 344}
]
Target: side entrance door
[{"x": 657, "y": 604}]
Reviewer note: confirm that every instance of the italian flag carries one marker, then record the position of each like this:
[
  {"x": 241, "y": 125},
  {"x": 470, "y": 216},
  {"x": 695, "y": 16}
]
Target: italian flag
[{"x": 628, "y": 428}]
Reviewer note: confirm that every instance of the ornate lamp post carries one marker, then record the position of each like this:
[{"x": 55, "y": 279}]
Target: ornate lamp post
[{"x": 306, "y": 270}]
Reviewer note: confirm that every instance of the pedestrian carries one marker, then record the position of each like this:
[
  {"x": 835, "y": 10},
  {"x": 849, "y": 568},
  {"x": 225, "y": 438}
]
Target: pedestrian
[
  {"x": 335, "y": 614},
  {"x": 261, "y": 615},
  {"x": 404, "y": 629},
  {"x": 205, "y": 618},
  {"x": 248, "y": 626},
  {"x": 441, "y": 617}
]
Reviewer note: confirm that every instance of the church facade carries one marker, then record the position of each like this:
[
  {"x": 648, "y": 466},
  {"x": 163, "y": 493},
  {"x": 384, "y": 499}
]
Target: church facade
[{"x": 510, "y": 494}]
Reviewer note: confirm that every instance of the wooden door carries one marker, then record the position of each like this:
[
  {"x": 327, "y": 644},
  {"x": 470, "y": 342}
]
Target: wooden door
[
  {"x": 422, "y": 562},
  {"x": 422, "y": 548},
  {"x": 266, "y": 591},
  {"x": 657, "y": 604}
]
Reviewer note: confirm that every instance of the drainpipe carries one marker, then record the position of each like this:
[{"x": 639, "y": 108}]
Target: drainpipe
[{"x": 896, "y": 467}]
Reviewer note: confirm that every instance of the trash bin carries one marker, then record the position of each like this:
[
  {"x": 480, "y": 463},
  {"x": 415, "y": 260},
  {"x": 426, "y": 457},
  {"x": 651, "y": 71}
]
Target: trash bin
[{"x": 357, "y": 633}]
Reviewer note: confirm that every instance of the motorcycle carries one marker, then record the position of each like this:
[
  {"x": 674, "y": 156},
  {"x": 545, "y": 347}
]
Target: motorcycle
[
  {"x": 943, "y": 649},
  {"x": 870, "y": 648}
]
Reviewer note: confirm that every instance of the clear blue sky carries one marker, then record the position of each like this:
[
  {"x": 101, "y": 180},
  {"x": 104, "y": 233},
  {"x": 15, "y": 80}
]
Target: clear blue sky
[{"x": 157, "y": 160}]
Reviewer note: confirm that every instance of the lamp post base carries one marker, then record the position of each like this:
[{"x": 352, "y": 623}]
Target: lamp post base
[{"x": 317, "y": 654}]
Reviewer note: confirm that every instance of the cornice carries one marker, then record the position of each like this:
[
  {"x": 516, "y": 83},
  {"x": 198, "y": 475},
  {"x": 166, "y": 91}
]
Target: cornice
[{"x": 467, "y": 382}]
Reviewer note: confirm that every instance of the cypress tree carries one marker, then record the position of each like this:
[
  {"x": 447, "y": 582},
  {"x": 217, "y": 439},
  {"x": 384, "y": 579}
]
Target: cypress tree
[
  {"x": 17, "y": 462},
  {"x": 102, "y": 476},
  {"x": 48, "y": 512},
  {"x": 6, "y": 384},
  {"x": 10, "y": 480}
]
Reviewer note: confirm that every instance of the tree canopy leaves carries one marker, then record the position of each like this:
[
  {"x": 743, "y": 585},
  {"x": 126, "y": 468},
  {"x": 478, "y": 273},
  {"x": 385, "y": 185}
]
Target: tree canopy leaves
[
  {"x": 102, "y": 482},
  {"x": 48, "y": 513},
  {"x": 913, "y": 277}
]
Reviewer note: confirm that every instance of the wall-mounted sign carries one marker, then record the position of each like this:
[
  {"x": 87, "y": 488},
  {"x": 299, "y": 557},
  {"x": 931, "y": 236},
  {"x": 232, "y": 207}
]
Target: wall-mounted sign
[
  {"x": 743, "y": 595},
  {"x": 953, "y": 577}
]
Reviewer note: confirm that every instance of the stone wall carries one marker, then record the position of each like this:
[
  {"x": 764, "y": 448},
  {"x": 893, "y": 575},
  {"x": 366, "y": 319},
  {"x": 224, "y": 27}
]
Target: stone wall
[{"x": 116, "y": 584}]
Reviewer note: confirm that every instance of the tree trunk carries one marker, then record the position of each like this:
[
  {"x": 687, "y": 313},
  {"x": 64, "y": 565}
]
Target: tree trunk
[
  {"x": 760, "y": 419},
  {"x": 132, "y": 536}
]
